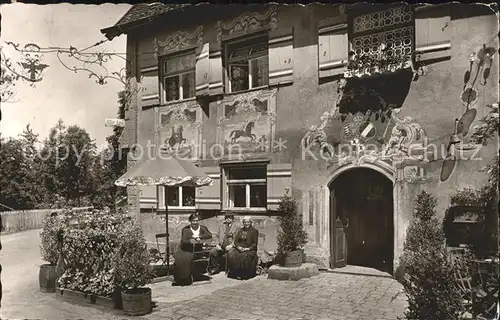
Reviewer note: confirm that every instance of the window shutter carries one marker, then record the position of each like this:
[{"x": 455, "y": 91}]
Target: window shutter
[
  {"x": 148, "y": 197},
  {"x": 202, "y": 70},
  {"x": 216, "y": 84},
  {"x": 209, "y": 197},
  {"x": 281, "y": 56},
  {"x": 150, "y": 84},
  {"x": 333, "y": 47},
  {"x": 279, "y": 179},
  {"x": 433, "y": 32}
]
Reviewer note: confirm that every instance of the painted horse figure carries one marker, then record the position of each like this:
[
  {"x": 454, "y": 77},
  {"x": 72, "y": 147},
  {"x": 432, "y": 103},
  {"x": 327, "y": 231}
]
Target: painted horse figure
[
  {"x": 175, "y": 138},
  {"x": 247, "y": 132}
]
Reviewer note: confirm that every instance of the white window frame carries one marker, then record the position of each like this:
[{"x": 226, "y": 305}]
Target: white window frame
[
  {"x": 181, "y": 204},
  {"x": 227, "y": 66},
  {"x": 179, "y": 74},
  {"x": 229, "y": 203}
]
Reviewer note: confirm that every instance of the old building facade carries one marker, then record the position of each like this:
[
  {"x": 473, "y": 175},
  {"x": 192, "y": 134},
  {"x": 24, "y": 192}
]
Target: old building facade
[{"x": 349, "y": 107}]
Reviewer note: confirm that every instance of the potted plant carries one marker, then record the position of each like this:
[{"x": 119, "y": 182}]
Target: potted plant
[
  {"x": 292, "y": 237},
  {"x": 131, "y": 263},
  {"x": 49, "y": 249},
  {"x": 468, "y": 196}
]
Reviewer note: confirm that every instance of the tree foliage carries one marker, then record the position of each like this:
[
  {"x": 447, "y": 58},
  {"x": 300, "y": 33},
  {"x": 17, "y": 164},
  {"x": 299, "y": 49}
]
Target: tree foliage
[
  {"x": 429, "y": 280},
  {"x": 7, "y": 83},
  {"x": 63, "y": 170},
  {"x": 19, "y": 173},
  {"x": 292, "y": 235},
  {"x": 111, "y": 163}
]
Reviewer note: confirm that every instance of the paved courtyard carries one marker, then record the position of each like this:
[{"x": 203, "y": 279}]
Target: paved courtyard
[
  {"x": 328, "y": 296},
  {"x": 349, "y": 293}
]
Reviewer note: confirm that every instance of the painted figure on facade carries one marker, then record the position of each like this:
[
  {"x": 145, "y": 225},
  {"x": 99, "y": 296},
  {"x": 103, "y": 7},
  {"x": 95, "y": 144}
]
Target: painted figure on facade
[
  {"x": 245, "y": 124},
  {"x": 179, "y": 130},
  {"x": 245, "y": 132}
]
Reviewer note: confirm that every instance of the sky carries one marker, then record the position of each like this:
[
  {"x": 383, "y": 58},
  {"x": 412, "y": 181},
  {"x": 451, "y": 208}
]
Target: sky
[{"x": 62, "y": 94}]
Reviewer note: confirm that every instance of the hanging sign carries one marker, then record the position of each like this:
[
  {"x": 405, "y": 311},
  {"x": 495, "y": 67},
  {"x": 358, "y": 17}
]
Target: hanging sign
[{"x": 114, "y": 123}]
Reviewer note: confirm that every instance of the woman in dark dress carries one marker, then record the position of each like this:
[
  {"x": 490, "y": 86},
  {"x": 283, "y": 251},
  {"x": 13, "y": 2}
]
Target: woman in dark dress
[
  {"x": 242, "y": 259},
  {"x": 192, "y": 235}
]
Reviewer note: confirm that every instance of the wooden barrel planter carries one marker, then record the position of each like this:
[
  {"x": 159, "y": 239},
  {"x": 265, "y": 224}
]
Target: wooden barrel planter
[
  {"x": 47, "y": 278},
  {"x": 137, "y": 303},
  {"x": 293, "y": 259}
]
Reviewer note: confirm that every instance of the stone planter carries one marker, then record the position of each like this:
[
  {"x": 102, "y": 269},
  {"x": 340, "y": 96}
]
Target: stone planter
[
  {"x": 47, "y": 278},
  {"x": 137, "y": 303},
  {"x": 115, "y": 302},
  {"x": 293, "y": 259}
]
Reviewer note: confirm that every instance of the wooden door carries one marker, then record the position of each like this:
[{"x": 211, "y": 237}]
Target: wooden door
[{"x": 338, "y": 245}]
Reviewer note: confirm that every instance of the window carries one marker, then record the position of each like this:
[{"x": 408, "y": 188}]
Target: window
[
  {"x": 246, "y": 187},
  {"x": 181, "y": 197},
  {"x": 390, "y": 30},
  {"x": 179, "y": 77},
  {"x": 247, "y": 64}
]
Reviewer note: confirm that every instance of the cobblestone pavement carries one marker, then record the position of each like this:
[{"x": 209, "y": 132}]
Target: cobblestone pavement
[
  {"x": 341, "y": 295},
  {"x": 348, "y": 293}
]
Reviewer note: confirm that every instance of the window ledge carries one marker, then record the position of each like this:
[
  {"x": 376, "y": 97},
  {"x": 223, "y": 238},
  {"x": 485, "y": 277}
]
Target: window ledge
[
  {"x": 182, "y": 209},
  {"x": 235, "y": 93},
  {"x": 245, "y": 210},
  {"x": 368, "y": 72},
  {"x": 169, "y": 103}
]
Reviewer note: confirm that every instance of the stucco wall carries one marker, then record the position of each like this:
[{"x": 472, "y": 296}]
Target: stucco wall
[{"x": 433, "y": 101}]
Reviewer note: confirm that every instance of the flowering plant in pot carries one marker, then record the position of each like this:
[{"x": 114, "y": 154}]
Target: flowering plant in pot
[
  {"x": 292, "y": 237},
  {"x": 131, "y": 263},
  {"x": 50, "y": 251},
  {"x": 468, "y": 196}
]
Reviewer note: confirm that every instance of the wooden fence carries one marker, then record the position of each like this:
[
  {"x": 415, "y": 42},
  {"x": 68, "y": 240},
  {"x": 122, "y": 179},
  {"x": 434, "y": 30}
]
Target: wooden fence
[{"x": 14, "y": 221}]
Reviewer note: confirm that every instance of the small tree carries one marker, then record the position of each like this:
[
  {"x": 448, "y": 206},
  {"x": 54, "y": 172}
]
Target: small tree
[
  {"x": 292, "y": 235},
  {"x": 429, "y": 279}
]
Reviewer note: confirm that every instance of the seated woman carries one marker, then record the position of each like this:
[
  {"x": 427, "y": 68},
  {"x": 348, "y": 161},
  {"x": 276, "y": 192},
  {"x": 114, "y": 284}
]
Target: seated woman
[
  {"x": 191, "y": 236},
  {"x": 242, "y": 259}
]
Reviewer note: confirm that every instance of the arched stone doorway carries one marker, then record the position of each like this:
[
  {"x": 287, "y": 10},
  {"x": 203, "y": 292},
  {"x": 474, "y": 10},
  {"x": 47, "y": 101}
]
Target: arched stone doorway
[{"x": 362, "y": 198}]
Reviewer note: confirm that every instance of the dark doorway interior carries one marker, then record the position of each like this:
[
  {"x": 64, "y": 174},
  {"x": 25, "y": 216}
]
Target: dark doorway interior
[{"x": 364, "y": 199}]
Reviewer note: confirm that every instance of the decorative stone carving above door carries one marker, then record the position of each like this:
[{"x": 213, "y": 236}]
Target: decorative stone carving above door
[{"x": 406, "y": 145}]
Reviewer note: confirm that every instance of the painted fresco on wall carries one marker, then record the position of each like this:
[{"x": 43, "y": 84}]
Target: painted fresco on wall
[
  {"x": 374, "y": 136},
  {"x": 246, "y": 123},
  {"x": 180, "y": 129}
]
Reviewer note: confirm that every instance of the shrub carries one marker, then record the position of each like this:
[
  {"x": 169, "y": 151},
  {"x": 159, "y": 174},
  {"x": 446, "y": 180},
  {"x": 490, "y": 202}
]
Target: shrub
[
  {"x": 429, "y": 279},
  {"x": 292, "y": 235},
  {"x": 91, "y": 241},
  {"x": 49, "y": 247},
  {"x": 131, "y": 260}
]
